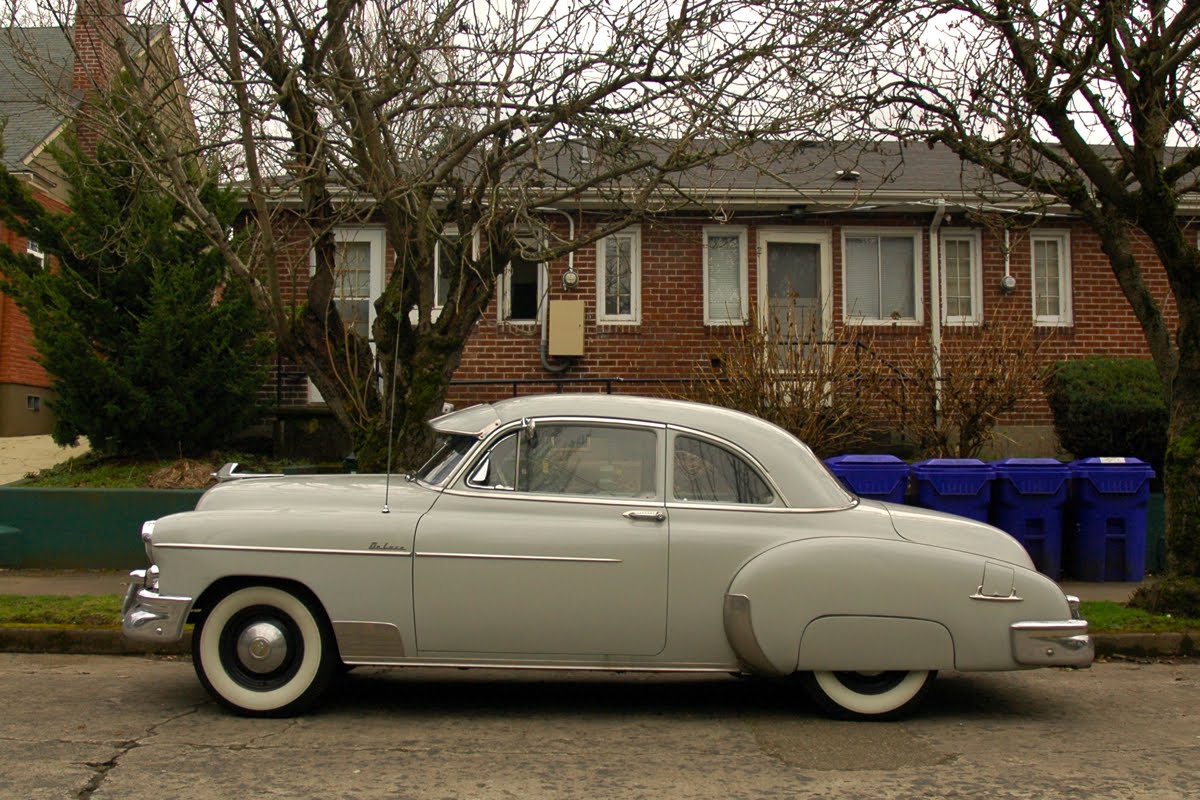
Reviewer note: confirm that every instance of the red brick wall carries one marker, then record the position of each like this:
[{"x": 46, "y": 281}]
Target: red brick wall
[
  {"x": 672, "y": 342},
  {"x": 17, "y": 353}
]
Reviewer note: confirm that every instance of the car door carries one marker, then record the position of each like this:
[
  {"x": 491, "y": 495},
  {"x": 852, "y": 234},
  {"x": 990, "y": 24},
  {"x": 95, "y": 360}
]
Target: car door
[{"x": 553, "y": 543}]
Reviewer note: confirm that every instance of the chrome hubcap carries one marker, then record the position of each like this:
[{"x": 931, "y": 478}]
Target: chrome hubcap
[{"x": 262, "y": 647}]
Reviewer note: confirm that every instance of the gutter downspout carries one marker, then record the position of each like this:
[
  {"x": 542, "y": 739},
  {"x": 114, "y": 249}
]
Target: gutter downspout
[
  {"x": 544, "y": 303},
  {"x": 935, "y": 302}
]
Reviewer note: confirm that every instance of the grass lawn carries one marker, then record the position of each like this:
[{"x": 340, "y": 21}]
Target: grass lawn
[
  {"x": 105, "y": 612},
  {"x": 1105, "y": 617},
  {"x": 85, "y": 611}
]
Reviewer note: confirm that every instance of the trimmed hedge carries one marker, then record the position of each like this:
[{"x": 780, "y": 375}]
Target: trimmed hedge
[{"x": 1109, "y": 407}]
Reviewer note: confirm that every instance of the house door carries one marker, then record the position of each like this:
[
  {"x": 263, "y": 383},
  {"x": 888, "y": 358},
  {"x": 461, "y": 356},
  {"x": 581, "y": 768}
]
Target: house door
[{"x": 794, "y": 285}]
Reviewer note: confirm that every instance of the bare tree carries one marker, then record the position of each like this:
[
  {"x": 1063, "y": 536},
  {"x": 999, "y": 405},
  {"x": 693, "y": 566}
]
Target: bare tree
[
  {"x": 453, "y": 125},
  {"x": 1088, "y": 103}
]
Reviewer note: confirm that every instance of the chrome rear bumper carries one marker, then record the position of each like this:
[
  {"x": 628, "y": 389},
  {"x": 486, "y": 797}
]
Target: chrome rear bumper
[
  {"x": 149, "y": 616},
  {"x": 1052, "y": 644}
]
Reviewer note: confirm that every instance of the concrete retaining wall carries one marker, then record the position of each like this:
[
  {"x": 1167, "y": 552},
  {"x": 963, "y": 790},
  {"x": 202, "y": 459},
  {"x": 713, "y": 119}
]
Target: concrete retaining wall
[{"x": 81, "y": 528}]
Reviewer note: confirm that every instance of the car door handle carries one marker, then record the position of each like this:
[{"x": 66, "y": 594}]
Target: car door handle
[{"x": 645, "y": 516}]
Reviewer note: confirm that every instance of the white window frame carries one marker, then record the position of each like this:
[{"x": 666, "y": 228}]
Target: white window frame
[
  {"x": 917, "y": 236},
  {"x": 972, "y": 237},
  {"x": 377, "y": 238},
  {"x": 634, "y": 317},
  {"x": 1063, "y": 318},
  {"x": 504, "y": 307},
  {"x": 34, "y": 250},
  {"x": 743, "y": 273}
]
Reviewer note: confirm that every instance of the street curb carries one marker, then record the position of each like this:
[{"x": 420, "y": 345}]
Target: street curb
[
  {"x": 92, "y": 641},
  {"x": 86, "y": 641},
  {"x": 1146, "y": 644}
]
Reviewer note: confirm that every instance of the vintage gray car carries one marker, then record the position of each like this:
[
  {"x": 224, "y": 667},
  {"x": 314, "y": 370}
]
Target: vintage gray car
[{"x": 594, "y": 532}]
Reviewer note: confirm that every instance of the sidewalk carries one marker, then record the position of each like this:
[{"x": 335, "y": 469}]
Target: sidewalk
[{"x": 20, "y": 455}]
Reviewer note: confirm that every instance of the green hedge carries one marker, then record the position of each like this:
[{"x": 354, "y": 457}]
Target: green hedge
[{"x": 1109, "y": 407}]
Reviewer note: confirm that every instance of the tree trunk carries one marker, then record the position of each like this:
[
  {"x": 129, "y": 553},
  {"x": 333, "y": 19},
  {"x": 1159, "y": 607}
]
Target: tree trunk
[{"x": 1182, "y": 463}]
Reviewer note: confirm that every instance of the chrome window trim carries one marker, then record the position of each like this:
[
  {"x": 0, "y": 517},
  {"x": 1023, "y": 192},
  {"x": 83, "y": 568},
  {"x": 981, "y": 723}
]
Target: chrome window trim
[
  {"x": 462, "y": 487},
  {"x": 779, "y": 501},
  {"x": 267, "y": 549},
  {"x": 573, "y": 499},
  {"x": 746, "y": 508}
]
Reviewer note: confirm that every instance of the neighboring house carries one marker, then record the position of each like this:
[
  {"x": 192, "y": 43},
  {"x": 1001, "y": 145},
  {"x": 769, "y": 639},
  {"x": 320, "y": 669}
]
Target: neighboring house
[
  {"x": 909, "y": 244},
  {"x": 46, "y": 74}
]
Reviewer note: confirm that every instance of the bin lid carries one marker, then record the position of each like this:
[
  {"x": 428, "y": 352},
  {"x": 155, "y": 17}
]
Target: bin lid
[
  {"x": 953, "y": 465},
  {"x": 866, "y": 460},
  {"x": 1033, "y": 475},
  {"x": 1113, "y": 474},
  {"x": 1052, "y": 464},
  {"x": 955, "y": 476}
]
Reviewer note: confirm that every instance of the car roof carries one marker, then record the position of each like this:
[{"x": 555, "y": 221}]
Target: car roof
[{"x": 803, "y": 479}]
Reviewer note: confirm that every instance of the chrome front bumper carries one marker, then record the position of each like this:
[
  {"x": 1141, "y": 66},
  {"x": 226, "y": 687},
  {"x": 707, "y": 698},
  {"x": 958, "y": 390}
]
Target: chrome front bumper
[
  {"x": 1054, "y": 644},
  {"x": 149, "y": 616}
]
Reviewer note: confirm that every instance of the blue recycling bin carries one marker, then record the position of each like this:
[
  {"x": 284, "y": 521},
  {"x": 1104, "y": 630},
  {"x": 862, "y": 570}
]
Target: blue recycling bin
[
  {"x": 874, "y": 477},
  {"x": 1029, "y": 497},
  {"x": 960, "y": 486},
  {"x": 1109, "y": 537}
]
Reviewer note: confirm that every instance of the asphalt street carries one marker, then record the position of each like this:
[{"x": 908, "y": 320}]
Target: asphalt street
[{"x": 126, "y": 727}]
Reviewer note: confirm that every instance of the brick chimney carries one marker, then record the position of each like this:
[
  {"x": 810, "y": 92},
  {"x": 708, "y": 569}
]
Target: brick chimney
[{"x": 98, "y": 24}]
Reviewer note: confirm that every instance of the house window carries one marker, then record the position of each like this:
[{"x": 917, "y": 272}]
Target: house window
[
  {"x": 35, "y": 251},
  {"x": 1051, "y": 255},
  {"x": 445, "y": 259},
  {"x": 33, "y": 403},
  {"x": 619, "y": 277},
  {"x": 726, "y": 294},
  {"x": 881, "y": 277},
  {"x": 522, "y": 290},
  {"x": 357, "y": 281},
  {"x": 962, "y": 278}
]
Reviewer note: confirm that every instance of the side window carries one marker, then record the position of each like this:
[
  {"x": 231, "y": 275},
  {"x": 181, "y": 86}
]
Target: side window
[
  {"x": 564, "y": 459},
  {"x": 708, "y": 473}
]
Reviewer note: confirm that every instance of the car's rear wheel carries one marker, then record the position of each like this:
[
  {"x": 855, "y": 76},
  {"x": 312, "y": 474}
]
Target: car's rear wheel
[
  {"x": 868, "y": 695},
  {"x": 264, "y": 651}
]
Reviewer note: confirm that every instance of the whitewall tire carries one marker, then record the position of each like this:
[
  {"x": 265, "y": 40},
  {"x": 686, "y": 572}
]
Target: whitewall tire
[
  {"x": 868, "y": 695},
  {"x": 264, "y": 651}
]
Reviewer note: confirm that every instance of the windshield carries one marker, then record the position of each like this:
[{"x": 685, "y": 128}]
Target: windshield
[{"x": 450, "y": 451}]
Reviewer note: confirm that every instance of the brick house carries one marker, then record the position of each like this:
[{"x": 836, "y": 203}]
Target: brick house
[
  {"x": 898, "y": 241},
  {"x": 46, "y": 75}
]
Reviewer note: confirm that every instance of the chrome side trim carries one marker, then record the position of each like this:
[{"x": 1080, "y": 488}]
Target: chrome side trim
[
  {"x": 712, "y": 669},
  {"x": 265, "y": 549},
  {"x": 739, "y": 630},
  {"x": 361, "y": 642},
  {"x": 514, "y": 557},
  {"x": 1012, "y": 598},
  {"x": 1062, "y": 643}
]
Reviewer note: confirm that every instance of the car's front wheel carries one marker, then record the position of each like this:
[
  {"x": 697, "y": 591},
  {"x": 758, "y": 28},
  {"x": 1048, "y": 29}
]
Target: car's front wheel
[
  {"x": 264, "y": 651},
  {"x": 868, "y": 695}
]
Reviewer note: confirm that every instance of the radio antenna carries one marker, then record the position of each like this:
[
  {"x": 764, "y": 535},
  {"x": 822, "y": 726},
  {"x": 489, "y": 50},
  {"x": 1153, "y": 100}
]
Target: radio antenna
[{"x": 387, "y": 480}]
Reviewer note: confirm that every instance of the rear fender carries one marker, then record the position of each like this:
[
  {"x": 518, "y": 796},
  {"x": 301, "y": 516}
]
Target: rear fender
[{"x": 851, "y": 603}]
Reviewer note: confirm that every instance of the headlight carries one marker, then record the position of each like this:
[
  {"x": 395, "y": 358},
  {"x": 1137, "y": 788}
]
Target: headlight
[{"x": 148, "y": 540}]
